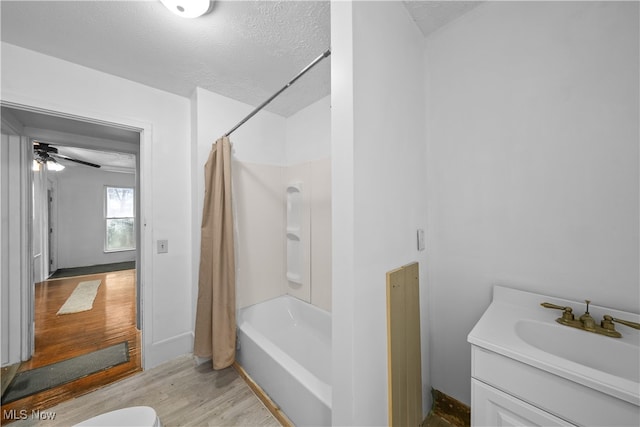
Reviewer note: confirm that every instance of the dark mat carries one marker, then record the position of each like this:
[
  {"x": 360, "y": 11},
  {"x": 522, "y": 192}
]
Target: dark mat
[
  {"x": 93, "y": 269},
  {"x": 40, "y": 379}
]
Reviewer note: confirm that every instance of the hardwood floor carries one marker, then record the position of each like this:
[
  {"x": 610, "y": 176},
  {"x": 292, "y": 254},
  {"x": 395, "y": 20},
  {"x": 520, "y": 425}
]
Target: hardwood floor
[
  {"x": 181, "y": 393},
  {"x": 111, "y": 321}
]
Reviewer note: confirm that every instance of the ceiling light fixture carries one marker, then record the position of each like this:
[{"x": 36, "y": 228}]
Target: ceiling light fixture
[
  {"x": 52, "y": 165},
  {"x": 46, "y": 160},
  {"x": 188, "y": 8}
]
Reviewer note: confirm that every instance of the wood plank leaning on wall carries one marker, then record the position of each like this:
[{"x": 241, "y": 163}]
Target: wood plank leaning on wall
[{"x": 403, "y": 346}]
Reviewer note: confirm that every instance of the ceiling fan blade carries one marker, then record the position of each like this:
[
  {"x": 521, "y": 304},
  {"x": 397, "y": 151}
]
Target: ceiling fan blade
[
  {"x": 82, "y": 162},
  {"x": 44, "y": 147}
]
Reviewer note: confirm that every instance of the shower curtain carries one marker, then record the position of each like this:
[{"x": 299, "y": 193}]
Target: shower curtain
[{"x": 215, "y": 329}]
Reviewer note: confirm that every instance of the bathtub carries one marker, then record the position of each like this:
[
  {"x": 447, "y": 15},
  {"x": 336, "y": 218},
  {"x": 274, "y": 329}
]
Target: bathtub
[{"x": 285, "y": 347}]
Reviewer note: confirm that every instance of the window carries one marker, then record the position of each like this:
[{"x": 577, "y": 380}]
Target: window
[{"x": 119, "y": 218}]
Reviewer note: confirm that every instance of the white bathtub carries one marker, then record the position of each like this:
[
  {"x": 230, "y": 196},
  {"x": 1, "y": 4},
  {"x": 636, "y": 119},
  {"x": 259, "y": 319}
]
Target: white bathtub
[{"x": 285, "y": 347}]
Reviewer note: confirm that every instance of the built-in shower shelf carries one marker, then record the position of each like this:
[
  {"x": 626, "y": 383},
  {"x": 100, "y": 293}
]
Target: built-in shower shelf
[
  {"x": 295, "y": 278},
  {"x": 295, "y": 187},
  {"x": 294, "y": 233}
]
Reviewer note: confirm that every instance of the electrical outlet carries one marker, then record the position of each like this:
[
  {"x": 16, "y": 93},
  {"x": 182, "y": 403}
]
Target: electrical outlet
[{"x": 163, "y": 246}]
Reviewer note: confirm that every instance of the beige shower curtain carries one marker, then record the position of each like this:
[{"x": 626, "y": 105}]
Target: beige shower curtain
[{"x": 215, "y": 330}]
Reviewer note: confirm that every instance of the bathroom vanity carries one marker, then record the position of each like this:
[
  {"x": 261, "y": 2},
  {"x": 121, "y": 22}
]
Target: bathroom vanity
[{"x": 528, "y": 368}]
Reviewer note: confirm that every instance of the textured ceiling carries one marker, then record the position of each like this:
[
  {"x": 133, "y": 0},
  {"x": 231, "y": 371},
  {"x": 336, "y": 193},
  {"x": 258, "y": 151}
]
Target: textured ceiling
[{"x": 245, "y": 50}]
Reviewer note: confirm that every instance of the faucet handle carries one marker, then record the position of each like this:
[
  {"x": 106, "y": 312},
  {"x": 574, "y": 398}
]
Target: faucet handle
[
  {"x": 625, "y": 322},
  {"x": 567, "y": 311},
  {"x": 557, "y": 307},
  {"x": 607, "y": 323},
  {"x": 609, "y": 328}
]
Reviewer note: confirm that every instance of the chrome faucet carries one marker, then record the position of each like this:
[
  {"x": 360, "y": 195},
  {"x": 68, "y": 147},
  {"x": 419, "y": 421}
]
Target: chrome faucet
[{"x": 587, "y": 323}]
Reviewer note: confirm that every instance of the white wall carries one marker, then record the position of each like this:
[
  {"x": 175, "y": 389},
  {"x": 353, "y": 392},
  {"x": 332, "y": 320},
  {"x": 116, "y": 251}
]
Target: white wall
[
  {"x": 532, "y": 164},
  {"x": 81, "y": 225},
  {"x": 378, "y": 157},
  {"x": 47, "y": 83},
  {"x": 308, "y": 133}
]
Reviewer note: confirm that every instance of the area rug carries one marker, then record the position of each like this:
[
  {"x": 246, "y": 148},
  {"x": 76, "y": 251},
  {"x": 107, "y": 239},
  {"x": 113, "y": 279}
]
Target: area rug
[
  {"x": 40, "y": 379},
  {"x": 81, "y": 299}
]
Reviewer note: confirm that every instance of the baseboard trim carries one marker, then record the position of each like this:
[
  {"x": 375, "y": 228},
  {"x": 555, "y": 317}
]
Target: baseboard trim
[
  {"x": 266, "y": 400},
  {"x": 158, "y": 352},
  {"x": 450, "y": 409}
]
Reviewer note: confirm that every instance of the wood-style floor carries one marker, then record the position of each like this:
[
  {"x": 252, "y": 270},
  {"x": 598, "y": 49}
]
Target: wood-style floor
[
  {"x": 111, "y": 321},
  {"x": 181, "y": 393}
]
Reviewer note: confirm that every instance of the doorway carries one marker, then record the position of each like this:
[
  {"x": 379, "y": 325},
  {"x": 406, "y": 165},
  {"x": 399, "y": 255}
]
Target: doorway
[{"x": 120, "y": 289}]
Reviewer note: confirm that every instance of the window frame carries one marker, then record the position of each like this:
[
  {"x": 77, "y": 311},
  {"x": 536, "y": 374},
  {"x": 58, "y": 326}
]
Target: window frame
[{"x": 107, "y": 218}]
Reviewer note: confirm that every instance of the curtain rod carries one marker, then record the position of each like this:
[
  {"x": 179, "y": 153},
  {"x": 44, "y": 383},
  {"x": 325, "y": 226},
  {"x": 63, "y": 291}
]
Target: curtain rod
[{"x": 264, "y": 104}]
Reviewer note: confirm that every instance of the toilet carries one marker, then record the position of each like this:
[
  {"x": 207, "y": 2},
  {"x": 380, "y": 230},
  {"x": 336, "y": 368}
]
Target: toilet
[{"x": 138, "y": 416}]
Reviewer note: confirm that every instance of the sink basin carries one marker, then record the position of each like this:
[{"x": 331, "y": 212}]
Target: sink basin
[{"x": 595, "y": 351}]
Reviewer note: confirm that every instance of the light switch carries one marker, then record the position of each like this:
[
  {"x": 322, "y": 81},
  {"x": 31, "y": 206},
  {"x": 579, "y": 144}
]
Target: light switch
[{"x": 163, "y": 246}]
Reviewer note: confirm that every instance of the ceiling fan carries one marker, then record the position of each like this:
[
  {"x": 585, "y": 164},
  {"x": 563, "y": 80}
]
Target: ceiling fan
[{"x": 45, "y": 153}]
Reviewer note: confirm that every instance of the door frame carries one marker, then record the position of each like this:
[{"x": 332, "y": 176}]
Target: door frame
[
  {"x": 17, "y": 247},
  {"x": 52, "y": 232},
  {"x": 144, "y": 243}
]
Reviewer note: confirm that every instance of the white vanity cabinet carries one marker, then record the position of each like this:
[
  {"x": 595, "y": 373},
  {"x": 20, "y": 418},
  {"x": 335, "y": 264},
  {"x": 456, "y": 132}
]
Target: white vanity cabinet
[
  {"x": 499, "y": 387},
  {"x": 493, "y": 407},
  {"x": 515, "y": 383}
]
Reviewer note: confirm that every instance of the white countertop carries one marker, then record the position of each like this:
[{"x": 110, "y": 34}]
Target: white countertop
[{"x": 497, "y": 331}]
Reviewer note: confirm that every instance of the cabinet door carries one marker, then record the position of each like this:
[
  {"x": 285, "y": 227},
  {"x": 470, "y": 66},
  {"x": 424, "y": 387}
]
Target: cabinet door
[{"x": 492, "y": 407}]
